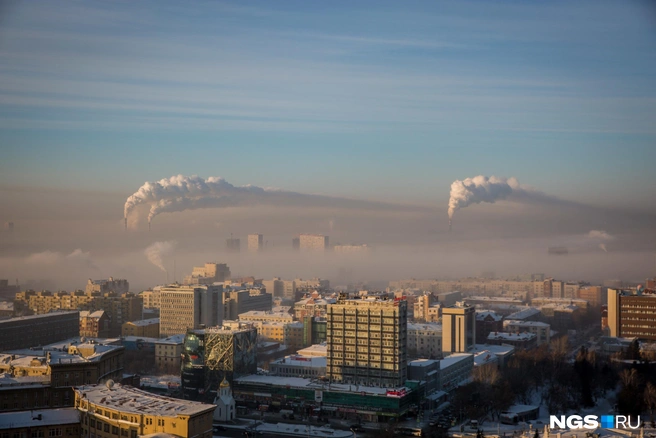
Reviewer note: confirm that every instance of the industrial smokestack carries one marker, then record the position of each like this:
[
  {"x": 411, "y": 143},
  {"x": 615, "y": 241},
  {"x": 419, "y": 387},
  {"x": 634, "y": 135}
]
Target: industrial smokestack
[
  {"x": 126, "y": 223},
  {"x": 449, "y": 225},
  {"x": 148, "y": 225}
]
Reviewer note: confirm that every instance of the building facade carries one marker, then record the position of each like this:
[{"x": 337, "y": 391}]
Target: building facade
[
  {"x": 425, "y": 340},
  {"x": 458, "y": 328},
  {"x": 255, "y": 242},
  {"x": 94, "y": 324},
  {"x": 313, "y": 242},
  {"x": 118, "y": 286},
  {"x": 632, "y": 314},
  {"x": 36, "y": 330},
  {"x": 241, "y": 301},
  {"x": 189, "y": 307},
  {"x": 148, "y": 328},
  {"x": 367, "y": 341},
  {"x": 208, "y": 274},
  {"x": 168, "y": 352},
  {"x": 117, "y": 411},
  {"x": 216, "y": 353}
]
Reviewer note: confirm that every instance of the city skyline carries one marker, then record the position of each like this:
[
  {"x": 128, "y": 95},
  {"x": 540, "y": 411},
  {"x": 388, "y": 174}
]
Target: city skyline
[{"x": 370, "y": 113}]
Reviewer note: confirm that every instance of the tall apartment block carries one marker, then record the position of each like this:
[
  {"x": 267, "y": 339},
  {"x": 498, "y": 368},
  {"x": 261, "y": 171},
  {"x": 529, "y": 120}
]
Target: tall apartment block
[
  {"x": 233, "y": 244},
  {"x": 632, "y": 314},
  {"x": 189, "y": 307},
  {"x": 255, "y": 242},
  {"x": 458, "y": 328},
  {"x": 367, "y": 341},
  {"x": 313, "y": 242}
]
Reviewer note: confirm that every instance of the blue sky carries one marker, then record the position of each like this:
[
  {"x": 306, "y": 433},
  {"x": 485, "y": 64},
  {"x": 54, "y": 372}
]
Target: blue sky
[{"x": 385, "y": 100}]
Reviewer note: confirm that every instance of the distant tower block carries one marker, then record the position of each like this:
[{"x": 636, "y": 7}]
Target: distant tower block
[
  {"x": 233, "y": 244},
  {"x": 255, "y": 242},
  {"x": 9, "y": 227}
]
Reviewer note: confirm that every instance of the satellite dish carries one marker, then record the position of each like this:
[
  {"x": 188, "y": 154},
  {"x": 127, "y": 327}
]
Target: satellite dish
[{"x": 109, "y": 384}]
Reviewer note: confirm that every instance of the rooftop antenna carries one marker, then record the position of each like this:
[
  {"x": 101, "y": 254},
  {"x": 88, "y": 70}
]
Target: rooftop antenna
[{"x": 174, "y": 271}]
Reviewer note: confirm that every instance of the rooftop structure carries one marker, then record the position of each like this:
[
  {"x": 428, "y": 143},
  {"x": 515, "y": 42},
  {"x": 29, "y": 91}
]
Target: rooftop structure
[{"x": 36, "y": 330}]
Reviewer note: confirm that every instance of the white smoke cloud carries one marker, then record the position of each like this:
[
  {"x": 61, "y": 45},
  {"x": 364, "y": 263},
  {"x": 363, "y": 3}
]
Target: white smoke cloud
[
  {"x": 481, "y": 189},
  {"x": 158, "y": 251},
  {"x": 50, "y": 258},
  {"x": 600, "y": 237},
  {"x": 180, "y": 193}
]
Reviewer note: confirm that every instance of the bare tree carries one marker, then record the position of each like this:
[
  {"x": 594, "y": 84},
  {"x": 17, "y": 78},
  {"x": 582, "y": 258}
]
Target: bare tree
[{"x": 650, "y": 399}]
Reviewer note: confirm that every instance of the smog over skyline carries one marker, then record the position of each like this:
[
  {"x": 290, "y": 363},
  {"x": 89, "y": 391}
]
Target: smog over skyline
[{"x": 453, "y": 138}]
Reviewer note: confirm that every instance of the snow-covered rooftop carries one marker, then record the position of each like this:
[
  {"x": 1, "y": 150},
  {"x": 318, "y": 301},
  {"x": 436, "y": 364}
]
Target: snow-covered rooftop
[
  {"x": 175, "y": 339},
  {"x": 298, "y": 382},
  {"x": 48, "y": 417},
  {"x": 525, "y": 323},
  {"x": 298, "y": 360},
  {"x": 524, "y": 313},
  {"x": 482, "y": 315},
  {"x": 129, "y": 399},
  {"x": 426, "y": 327},
  {"x": 314, "y": 350},
  {"x": 511, "y": 336},
  {"x": 453, "y": 359},
  {"x": 145, "y": 322},
  {"x": 422, "y": 362},
  {"x": 498, "y": 350},
  {"x": 485, "y": 357}
]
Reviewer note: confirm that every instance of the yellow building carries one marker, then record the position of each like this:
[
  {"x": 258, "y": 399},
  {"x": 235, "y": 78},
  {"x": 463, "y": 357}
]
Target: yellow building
[
  {"x": 148, "y": 328},
  {"x": 112, "y": 410}
]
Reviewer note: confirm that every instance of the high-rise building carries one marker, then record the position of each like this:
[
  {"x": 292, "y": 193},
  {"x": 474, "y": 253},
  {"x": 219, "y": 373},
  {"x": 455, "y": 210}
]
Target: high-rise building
[
  {"x": 274, "y": 287},
  {"x": 458, "y": 328},
  {"x": 367, "y": 341},
  {"x": 189, "y": 307},
  {"x": 313, "y": 242},
  {"x": 151, "y": 298},
  {"x": 233, "y": 244},
  {"x": 213, "y": 354},
  {"x": 632, "y": 314},
  {"x": 208, "y": 274},
  {"x": 420, "y": 311},
  {"x": 255, "y": 242}
]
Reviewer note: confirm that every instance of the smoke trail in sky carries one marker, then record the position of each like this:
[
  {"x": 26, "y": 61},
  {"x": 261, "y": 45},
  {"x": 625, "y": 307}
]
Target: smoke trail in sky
[{"x": 158, "y": 251}]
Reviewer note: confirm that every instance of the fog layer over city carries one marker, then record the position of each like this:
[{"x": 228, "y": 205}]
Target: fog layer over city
[{"x": 62, "y": 238}]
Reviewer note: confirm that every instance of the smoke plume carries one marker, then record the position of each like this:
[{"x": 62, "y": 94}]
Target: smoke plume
[
  {"x": 600, "y": 237},
  {"x": 180, "y": 193},
  {"x": 480, "y": 189},
  {"x": 157, "y": 251}
]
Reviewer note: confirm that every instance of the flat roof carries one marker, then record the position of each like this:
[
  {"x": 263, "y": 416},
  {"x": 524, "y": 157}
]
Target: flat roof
[
  {"x": 428, "y": 327},
  {"x": 525, "y": 323},
  {"x": 43, "y": 315},
  {"x": 422, "y": 362},
  {"x": 49, "y": 417},
  {"x": 299, "y": 382},
  {"x": 132, "y": 400},
  {"x": 453, "y": 359},
  {"x": 499, "y": 350},
  {"x": 298, "y": 360},
  {"x": 511, "y": 336},
  {"x": 144, "y": 322}
]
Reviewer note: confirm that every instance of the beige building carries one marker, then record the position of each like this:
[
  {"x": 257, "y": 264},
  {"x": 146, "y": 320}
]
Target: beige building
[
  {"x": 367, "y": 341},
  {"x": 313, "y": 242},
  {"x": 255, "y": 242},
  {"x": 278, "y": 314},
  {"x": 541, "y": 330},
  {"x": 148, "y": 328},
  {"x": 208, "y": 274},
  {"x": 425, "y": 341},
  {"x": 434, "y": 313},
  {"x": 113, "y": 410},
  {"x": 420, "y": 311},
  {"x": 458, "y": 328},
  {"x": 591, "y": 294},
  {"x": 120, "y": 308},
  {"x": 167, "y": 354},
  {"x": 189, "y": 307},
  {"x": 94, "y": 324},
  {"x": 151, "y": 298}
]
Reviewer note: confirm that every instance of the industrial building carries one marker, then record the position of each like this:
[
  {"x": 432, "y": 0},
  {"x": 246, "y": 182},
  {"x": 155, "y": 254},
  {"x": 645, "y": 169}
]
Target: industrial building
[
  {"x": 367, "y": 341},
  {"x": 215, "y": 353},
  {"x": 189, "y": 307}
]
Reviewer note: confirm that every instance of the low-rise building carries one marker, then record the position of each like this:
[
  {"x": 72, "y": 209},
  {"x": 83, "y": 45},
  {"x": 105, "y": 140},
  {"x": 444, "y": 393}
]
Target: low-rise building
[
  {"x": 299, "y": 366},
  {"x": 541, "y": 330},
  {"x": 522, "y": 341},
  {"x": 278, "y": 314},
  {"x": 455, "y": 369},
  {"x": 94, "y": 324},
  {"x": 143, "y": 327},
  {"x": 428, "y": 371},
  {"x": 113, "y": 410},
  {"x": 64, "y": 422},
  {"x": 502, "y": 352},
  {"x": 425, "y": 340},
  {"x": 37, "y": 330},
  {"x": 487, "y": 321},
  {"x": 167, "y": 354}
]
